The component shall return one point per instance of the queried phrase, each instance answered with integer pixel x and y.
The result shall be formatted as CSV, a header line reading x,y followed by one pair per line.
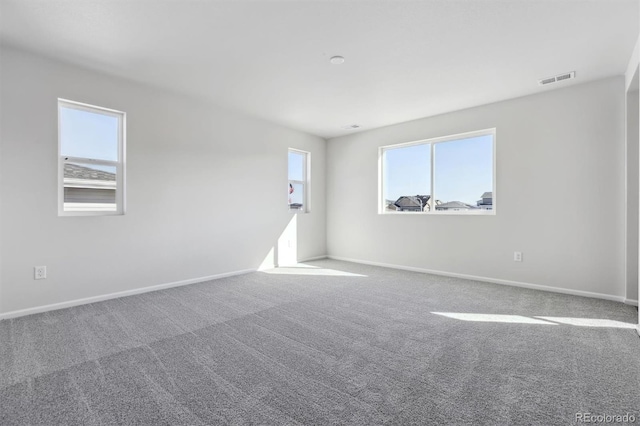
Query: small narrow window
x,y
298,189
91,159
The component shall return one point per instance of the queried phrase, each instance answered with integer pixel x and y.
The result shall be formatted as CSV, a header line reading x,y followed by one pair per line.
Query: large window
x,y
453,174
298,188
91,145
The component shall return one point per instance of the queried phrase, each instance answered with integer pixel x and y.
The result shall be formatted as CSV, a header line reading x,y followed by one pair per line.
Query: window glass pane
x,y
296,166
89,187
407,178
464,174
88,134
296,196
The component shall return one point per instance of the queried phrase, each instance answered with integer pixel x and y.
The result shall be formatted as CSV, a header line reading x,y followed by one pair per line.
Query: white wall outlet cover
x,y
39,272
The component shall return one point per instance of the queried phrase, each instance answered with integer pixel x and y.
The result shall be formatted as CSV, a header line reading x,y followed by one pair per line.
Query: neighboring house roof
x,y
74,171
487,199
76,176
412,201
454,205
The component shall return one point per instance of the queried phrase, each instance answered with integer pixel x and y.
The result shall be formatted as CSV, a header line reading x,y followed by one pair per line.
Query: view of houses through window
x,y
91,147
457,170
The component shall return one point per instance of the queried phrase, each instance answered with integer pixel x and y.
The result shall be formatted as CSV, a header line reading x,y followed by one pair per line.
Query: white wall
x,y
560,189
1,178
631,79
633,188
206,189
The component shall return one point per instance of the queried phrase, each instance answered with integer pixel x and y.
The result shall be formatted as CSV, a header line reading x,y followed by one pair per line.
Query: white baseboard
x,y
631,302
487,279
284,265
310,259
84,301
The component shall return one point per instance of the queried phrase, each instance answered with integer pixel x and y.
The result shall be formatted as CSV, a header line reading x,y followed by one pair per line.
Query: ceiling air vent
x,y
557,78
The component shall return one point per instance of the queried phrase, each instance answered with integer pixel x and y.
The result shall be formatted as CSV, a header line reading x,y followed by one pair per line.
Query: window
x,y
298,181
91,159
453,174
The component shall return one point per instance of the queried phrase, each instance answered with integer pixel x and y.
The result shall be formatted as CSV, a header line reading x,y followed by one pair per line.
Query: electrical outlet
x,y
517,256
39,272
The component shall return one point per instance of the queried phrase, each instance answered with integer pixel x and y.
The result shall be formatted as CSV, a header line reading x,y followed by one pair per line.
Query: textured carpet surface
x,y
331,343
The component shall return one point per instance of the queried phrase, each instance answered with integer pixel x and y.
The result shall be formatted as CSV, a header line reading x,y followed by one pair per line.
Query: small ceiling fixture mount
x,y
351,126
336,60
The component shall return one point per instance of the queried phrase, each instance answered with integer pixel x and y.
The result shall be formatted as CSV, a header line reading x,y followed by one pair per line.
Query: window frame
x,y
306,183
433,142
119,164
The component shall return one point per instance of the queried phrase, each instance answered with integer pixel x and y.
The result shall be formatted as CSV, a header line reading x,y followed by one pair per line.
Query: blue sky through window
x,y
407,171
296,166
464,169
88,135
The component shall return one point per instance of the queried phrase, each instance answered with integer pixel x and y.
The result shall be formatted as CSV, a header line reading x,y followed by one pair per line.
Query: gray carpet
x,y
315,346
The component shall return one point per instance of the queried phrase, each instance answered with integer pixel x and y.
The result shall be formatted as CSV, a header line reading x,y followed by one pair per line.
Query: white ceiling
x,y
404,59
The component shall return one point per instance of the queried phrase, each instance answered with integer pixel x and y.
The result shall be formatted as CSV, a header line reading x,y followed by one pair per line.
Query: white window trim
x,y
306,184
432,142
119,165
